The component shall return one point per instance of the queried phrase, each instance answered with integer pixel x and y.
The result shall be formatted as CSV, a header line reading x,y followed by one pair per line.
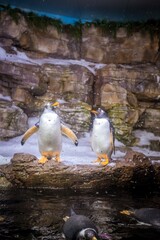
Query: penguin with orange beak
x,y
49,130
102,137
145,215
77,227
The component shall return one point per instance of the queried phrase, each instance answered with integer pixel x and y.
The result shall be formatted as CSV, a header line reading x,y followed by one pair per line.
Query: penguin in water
x,y
102,137
146,215
77,227
50,129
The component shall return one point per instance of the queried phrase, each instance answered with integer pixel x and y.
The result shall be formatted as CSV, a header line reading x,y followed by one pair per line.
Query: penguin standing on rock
x,y
50,129
102,137
77,227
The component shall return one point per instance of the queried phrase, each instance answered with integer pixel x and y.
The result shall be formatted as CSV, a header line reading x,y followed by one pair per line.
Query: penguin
x,y
102,137
147,215
77,227
49,130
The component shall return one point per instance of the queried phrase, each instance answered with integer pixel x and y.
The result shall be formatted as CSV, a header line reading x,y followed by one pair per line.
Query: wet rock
x,y
150,119
155,145
156,166
135,171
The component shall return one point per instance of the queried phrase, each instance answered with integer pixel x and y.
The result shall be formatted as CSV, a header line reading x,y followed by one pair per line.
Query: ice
x,y
21,57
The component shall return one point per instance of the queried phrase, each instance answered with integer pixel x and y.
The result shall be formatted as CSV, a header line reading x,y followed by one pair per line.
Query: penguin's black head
x,y
91,235
101,113
52,106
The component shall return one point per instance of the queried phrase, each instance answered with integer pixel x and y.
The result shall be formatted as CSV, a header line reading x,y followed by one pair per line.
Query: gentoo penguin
x,y
146,215
77,227
102,136
49,130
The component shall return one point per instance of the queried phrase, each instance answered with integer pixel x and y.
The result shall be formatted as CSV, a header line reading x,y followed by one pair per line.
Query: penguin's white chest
x,y
100,139
49,133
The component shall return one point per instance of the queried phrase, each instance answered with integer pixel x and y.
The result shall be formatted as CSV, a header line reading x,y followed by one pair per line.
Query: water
x,y
38,214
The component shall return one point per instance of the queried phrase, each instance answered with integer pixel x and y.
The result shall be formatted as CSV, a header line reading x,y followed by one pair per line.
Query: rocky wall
x,y
127,85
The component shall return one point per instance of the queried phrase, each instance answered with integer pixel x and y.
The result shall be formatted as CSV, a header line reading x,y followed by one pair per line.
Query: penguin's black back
x,y
75,224
148,215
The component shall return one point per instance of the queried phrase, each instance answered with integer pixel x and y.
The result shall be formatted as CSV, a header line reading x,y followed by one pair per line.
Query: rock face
x,y
135,171
124,89
13,121
98,46
123,75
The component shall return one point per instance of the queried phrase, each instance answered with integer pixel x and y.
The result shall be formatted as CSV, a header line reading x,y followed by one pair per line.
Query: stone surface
x,y
26,76
70,82
128,87
122,108
135,171
98,46
10,28
13,121
76,115
142,79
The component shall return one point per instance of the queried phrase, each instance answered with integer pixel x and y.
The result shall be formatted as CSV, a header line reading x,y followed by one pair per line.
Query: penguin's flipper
x,y
29,133
72,212
112,130
69,133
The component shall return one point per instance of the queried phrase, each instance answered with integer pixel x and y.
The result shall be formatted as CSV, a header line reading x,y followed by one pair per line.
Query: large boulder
x,y
27,76
13,121
136,171
150,119
70,82
51,41
11,28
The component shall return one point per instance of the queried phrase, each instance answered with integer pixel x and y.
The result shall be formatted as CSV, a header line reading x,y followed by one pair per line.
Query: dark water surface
x,y
38,214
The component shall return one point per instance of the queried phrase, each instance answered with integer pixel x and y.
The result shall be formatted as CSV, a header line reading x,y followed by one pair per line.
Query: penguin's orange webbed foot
x,y
43,160
97,160
104,160
57,158
104,163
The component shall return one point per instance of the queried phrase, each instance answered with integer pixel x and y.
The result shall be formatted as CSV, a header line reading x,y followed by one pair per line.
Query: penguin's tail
x,y
72,212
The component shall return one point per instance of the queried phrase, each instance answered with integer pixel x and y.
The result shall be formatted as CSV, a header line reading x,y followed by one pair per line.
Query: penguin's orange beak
x,y
126,212
94,238
94,111
56,104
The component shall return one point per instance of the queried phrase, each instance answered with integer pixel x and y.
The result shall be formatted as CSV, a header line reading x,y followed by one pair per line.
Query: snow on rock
x,y
7,98
70,155
21,57
82,154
